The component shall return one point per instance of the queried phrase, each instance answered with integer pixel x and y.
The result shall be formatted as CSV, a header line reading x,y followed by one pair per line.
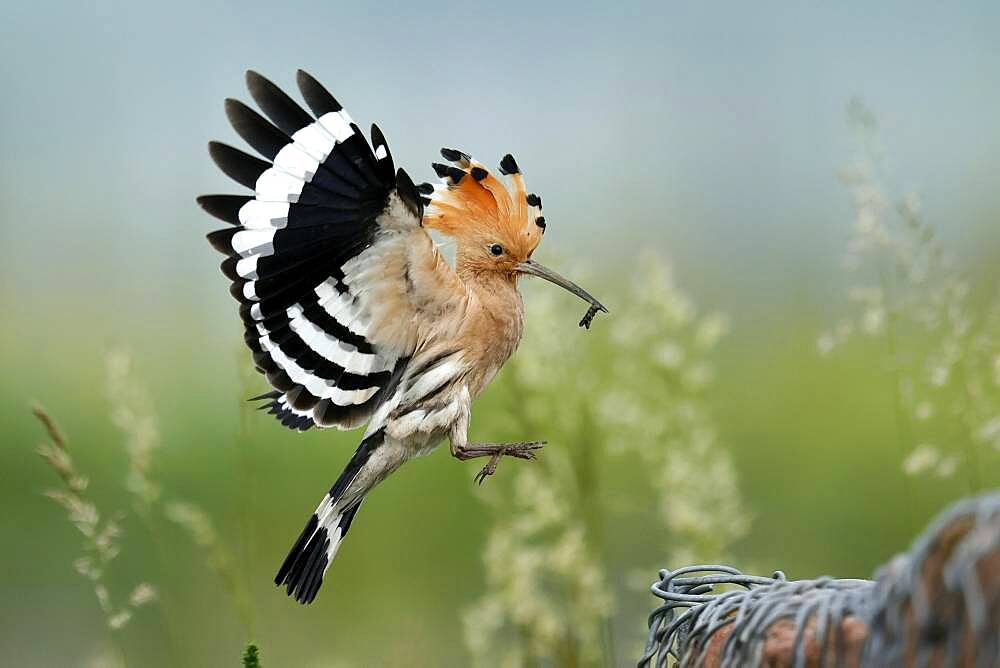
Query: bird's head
x,y
495,222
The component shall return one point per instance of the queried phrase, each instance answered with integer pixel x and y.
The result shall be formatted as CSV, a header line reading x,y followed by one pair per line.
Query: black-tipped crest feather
x,y
508,165
453,174
454,155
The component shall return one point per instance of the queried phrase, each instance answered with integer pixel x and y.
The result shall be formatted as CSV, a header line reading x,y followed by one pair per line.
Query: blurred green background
x,y
712,135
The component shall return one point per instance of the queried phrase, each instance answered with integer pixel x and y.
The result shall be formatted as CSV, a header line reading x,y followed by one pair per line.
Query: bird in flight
x,y
350,310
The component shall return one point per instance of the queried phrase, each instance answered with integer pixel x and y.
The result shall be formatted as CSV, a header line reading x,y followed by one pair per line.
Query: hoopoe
x,y
350,310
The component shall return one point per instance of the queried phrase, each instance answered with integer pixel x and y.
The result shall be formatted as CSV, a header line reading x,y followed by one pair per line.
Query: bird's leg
x,y
519,450
462,450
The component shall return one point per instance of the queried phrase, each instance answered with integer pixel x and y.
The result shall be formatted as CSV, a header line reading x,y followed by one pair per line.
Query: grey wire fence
x,y
937,604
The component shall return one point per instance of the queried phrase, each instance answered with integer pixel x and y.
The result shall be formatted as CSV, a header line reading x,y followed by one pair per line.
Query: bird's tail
x,y
303,569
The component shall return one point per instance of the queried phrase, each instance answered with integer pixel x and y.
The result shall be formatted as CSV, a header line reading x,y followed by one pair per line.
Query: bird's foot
x,y
495,451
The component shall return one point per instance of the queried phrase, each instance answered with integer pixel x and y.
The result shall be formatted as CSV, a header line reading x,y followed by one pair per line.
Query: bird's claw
x,y
524,450
489,469
517,450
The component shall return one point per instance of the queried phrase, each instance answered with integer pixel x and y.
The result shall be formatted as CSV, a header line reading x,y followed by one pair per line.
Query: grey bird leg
x,y
462,450
519,450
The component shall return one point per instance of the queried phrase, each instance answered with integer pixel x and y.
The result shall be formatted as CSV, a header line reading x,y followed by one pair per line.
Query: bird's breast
x,y
489,343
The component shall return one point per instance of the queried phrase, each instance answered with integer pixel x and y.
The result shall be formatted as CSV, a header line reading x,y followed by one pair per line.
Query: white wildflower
x,y
938,375
698,376
825,344
85,566
103,596
989,432
946,467
924,411
143,593
132,414
483,623
548,594
941,346
101,544
873,320
669,355
119,620
923,458
710,330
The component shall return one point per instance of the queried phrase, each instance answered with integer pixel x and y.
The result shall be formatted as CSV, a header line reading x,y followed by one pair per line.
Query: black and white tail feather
x,y
315,206
303,569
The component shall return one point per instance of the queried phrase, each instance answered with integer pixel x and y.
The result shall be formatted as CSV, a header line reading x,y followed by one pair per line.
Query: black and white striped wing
x,y
317,204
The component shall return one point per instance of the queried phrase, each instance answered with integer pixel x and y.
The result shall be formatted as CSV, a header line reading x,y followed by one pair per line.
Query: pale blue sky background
x,y
709,131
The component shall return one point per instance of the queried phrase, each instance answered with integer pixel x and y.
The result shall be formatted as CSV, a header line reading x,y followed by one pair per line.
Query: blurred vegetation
x,y
940,329
251,657
819,442
551,595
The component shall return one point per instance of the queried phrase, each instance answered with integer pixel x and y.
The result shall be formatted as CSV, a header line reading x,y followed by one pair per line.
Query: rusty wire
x,y
937,604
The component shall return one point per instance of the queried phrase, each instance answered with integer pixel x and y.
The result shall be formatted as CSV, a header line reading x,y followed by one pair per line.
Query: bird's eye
x,y
496,249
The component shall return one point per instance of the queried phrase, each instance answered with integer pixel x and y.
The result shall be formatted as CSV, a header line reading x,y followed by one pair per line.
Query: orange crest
x,y
479,209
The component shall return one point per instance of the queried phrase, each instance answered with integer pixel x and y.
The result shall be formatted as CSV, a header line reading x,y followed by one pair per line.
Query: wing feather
x,y
327,258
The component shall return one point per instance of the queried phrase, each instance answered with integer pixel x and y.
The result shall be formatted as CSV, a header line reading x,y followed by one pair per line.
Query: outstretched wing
x,y
327,258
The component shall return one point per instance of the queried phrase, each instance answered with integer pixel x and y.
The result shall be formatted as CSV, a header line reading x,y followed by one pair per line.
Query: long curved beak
x,y
541,271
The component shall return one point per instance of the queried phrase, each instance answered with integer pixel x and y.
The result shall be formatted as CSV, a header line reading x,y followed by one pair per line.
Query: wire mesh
x,y
936,604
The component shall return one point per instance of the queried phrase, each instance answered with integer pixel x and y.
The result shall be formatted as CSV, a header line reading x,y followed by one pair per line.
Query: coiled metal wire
x,y
936,604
